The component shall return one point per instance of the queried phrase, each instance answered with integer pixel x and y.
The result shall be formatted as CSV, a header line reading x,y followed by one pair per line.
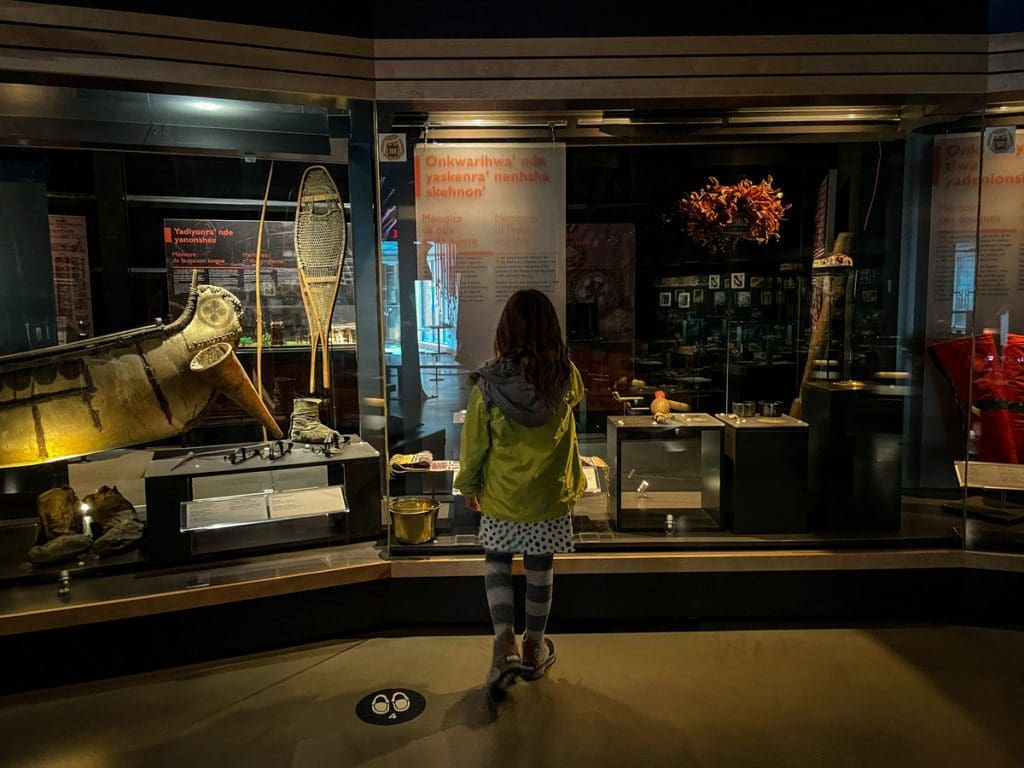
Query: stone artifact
x,y
306,426
60,549
319,253
113,391
59,512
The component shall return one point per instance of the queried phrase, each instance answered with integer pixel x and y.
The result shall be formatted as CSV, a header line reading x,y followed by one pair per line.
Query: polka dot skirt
x,y
545,537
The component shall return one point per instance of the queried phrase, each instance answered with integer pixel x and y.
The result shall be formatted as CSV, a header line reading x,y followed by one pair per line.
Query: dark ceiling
x,y
537,18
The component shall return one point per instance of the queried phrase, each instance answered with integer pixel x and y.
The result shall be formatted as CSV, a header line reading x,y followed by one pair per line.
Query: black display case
x,y
856,455
764,474
660,469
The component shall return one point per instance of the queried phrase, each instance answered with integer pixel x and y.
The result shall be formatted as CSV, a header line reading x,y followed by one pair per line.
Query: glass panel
x,y
819,314
993,475
120,401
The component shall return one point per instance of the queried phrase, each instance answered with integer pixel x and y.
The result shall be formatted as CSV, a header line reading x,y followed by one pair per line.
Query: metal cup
x,y
770,408
745,409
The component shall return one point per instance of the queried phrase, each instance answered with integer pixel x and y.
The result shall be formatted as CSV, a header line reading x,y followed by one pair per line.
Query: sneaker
x,y
502,674
537,659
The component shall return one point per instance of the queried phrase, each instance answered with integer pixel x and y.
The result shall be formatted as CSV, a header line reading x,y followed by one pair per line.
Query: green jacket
x,y
520,473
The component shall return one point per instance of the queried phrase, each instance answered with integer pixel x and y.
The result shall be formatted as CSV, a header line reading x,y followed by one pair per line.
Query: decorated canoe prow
x,y
127,388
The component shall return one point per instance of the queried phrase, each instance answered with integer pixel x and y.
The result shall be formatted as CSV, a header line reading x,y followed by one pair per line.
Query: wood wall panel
x,y
63,44
170,50
67,44
1006,66
69,17
720,45
915,87
753,67
126,70
678,66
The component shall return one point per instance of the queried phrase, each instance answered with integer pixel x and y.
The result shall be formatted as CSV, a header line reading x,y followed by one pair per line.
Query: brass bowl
x,y
413,520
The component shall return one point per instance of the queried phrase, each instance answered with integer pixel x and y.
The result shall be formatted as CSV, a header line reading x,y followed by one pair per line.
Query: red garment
x,y
1013,381
990,396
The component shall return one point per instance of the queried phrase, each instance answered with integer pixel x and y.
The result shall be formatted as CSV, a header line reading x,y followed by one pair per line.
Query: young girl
x,y
521,470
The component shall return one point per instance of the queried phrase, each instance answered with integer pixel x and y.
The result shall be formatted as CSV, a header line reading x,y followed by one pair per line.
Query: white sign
x,y
69,249
990,474
964,274
307,502
490,219
234,510
393,148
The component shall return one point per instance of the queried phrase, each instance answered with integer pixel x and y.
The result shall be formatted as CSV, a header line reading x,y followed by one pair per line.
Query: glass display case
x,y
666,476
852,293
812,299
974,325
196,377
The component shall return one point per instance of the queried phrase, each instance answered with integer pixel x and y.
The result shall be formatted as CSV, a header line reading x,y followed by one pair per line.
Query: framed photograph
x,y
665,299
766,298
743,299
683,299
756,281
789,282
719,298
714,282
698,296
738,280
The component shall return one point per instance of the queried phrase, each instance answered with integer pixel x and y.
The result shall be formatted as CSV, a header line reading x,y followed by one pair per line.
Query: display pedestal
x,y
764,474
234,520
856,455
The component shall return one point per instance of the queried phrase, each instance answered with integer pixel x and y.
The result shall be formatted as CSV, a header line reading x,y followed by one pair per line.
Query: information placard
x,y
491,220
971,268
308,502
990,474
233,510
224,252
69,249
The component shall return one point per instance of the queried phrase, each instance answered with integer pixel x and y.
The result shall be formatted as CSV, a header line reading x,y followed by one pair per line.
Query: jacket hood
x,y
503,384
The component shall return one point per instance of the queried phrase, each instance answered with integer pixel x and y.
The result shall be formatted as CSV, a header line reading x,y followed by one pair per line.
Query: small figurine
x,y
660,405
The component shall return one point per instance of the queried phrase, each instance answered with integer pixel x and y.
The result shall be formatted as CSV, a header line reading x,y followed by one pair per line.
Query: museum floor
x,y
724,696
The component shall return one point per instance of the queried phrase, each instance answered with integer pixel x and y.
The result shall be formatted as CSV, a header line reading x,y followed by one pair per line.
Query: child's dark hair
x,y
529,334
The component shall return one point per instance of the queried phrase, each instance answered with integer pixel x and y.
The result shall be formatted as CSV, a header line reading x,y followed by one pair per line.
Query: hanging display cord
x,y
259,293
874,190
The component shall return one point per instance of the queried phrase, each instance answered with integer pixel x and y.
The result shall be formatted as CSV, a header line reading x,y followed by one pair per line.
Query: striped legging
x,y
498,582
